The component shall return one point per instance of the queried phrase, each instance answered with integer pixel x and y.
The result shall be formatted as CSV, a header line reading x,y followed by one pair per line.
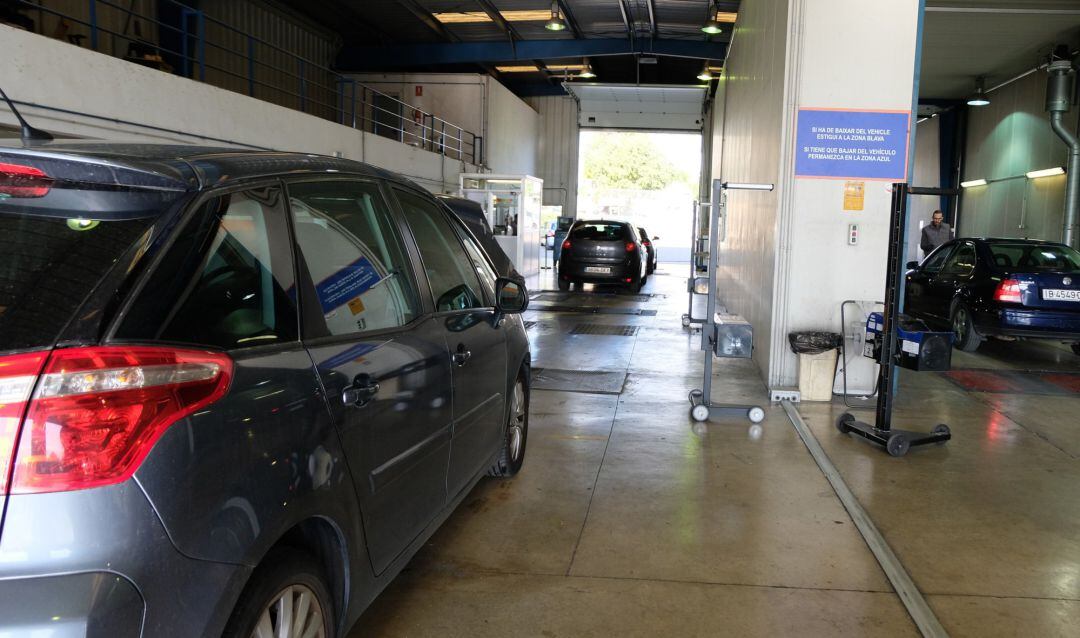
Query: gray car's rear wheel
x,y
512,455
287,596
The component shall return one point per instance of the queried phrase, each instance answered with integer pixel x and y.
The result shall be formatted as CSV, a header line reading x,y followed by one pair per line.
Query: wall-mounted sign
x,y
852,144
854,195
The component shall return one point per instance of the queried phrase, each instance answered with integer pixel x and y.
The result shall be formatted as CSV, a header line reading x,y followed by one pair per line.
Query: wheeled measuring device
x,y
722,335
896,442
698,249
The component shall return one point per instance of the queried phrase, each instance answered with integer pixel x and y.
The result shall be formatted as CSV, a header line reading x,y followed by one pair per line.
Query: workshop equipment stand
x,y
715,329
896,441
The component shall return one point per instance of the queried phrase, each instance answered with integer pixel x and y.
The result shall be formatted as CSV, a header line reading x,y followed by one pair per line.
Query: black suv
x,y
238,390
603,252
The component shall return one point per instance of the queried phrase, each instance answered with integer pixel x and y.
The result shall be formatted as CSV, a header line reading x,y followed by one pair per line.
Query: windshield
x,y
56,244
1035,257
598,231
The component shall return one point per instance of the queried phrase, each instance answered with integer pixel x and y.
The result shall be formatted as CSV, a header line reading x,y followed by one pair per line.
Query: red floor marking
x,y
1070,382
982,381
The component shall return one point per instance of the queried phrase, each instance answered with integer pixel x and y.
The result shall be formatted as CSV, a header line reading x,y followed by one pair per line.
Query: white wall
x,y
927,173
1005,140
871,66
558,150
752,104
458,98
159,107
786,265
512,132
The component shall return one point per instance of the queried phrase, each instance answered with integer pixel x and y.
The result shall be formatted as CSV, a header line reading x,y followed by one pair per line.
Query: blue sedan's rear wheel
x,y
967,337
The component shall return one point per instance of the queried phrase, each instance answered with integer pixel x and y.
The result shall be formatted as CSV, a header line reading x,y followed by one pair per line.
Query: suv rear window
x,y
1035,257
599,231
56,244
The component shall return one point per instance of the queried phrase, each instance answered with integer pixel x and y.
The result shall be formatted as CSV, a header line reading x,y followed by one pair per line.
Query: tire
x,y
756,414
699,413
1076,349
967,337
290,573
564,285
512,454
843,423
897,445
635,287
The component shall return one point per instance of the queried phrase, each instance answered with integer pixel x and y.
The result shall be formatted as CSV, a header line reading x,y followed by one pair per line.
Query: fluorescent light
x,y
1046,172
473,17
529,68
973,183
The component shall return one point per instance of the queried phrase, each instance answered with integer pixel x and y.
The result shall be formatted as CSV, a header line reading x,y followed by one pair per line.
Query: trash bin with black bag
x,y
817,362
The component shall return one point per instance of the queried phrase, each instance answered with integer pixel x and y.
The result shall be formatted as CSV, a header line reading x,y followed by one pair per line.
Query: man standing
x,y
936,234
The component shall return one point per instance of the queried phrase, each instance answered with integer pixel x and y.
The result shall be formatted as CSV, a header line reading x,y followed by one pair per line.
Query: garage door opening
x,y
647,178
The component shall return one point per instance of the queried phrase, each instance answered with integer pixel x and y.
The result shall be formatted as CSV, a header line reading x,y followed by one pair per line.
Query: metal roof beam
x,y
626,19
570,20
429,20
652,16
355,58
498,19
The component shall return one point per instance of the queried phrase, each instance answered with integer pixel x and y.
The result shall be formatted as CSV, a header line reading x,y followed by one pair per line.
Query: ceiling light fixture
x,y
705,75
979,98
712,26
556,22
973,183
1046,172
587,72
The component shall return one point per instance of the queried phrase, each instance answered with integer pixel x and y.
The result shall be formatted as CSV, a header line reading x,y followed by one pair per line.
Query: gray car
x,y
238,390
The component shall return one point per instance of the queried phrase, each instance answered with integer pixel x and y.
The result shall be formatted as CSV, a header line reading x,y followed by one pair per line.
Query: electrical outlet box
x,y
852,234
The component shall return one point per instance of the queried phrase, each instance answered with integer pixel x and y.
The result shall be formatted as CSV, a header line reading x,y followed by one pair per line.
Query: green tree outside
x,y
616,160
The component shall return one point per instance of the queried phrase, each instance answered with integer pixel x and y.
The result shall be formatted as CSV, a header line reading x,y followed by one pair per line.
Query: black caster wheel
x,y
843,423
941,428
897,445
694,396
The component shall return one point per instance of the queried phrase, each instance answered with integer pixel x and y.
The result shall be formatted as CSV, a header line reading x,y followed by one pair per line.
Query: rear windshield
x,y
56,245
599,231
1035,257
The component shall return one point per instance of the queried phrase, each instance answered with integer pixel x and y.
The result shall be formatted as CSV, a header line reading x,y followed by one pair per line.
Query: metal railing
x,y
190,43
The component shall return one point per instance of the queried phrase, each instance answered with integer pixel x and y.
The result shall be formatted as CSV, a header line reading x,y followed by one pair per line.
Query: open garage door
x,y
629,106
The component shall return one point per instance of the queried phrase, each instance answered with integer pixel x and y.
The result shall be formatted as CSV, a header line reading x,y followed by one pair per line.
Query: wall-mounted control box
x,y
852,234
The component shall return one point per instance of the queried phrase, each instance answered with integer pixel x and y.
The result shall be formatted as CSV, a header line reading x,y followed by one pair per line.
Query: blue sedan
x,y
1011,288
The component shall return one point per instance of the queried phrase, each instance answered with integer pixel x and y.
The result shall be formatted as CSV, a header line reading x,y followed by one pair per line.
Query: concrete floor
x,y
629,518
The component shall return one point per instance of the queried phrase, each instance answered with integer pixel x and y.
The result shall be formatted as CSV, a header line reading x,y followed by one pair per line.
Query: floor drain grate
x,y
587,381
604,329
529,324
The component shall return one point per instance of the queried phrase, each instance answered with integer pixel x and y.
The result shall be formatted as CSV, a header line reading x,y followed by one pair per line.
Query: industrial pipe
x,y
1059,92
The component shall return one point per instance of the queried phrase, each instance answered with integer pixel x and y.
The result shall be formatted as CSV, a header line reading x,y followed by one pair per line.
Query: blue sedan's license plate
x,y
1061,295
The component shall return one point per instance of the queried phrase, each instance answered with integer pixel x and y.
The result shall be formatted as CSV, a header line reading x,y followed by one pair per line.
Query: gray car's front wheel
x,y
286,597
512,455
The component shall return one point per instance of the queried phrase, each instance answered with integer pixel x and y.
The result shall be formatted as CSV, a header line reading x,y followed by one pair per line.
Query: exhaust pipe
x,y
1059,92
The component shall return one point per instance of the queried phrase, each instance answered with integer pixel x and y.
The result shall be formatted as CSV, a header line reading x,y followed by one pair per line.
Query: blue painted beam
x,y
355,58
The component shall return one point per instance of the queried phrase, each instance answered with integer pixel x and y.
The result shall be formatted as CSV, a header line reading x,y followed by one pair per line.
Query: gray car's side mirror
x,y
510,296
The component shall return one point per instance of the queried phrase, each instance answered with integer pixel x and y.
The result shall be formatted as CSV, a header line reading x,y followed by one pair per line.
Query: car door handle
x,y
462,355
363,389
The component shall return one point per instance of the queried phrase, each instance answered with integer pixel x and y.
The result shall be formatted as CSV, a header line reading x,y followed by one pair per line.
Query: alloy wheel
x,y
517,421
294,613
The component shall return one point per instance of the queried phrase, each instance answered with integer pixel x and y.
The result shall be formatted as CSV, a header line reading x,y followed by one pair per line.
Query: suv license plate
x,y
1061,295
602,270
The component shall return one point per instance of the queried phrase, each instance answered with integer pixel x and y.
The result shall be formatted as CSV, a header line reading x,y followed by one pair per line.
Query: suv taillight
x,y
566,245
17,180
630,246
18,373
1008,290
96,412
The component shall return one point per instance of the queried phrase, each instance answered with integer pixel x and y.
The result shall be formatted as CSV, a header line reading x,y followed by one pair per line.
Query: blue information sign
x,y
346,284
838,144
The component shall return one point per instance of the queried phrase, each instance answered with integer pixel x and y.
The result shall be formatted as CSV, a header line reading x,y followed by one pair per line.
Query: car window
x,y
1035,257
962,261
451,273
598,231
936,260
227,281
354,256
480,263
